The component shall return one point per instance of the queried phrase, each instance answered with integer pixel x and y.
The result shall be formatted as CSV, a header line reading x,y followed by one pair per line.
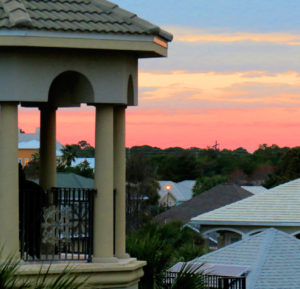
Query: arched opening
x,y
224,236
70,88
130,91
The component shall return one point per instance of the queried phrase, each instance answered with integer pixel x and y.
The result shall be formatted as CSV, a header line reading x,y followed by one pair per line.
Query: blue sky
x,y
233,15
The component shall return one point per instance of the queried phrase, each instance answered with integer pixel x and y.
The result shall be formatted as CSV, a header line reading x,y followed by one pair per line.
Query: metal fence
x,y
59,231
212,281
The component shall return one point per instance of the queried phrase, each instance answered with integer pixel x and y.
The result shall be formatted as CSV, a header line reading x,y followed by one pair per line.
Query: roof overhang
x,y
143,46
246,223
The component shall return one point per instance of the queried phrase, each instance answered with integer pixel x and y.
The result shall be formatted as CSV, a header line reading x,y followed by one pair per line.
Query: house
x,y
29,144
173,194
277,207
269,260
216,197
63,54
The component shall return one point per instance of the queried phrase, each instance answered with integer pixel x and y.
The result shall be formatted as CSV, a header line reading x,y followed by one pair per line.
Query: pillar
x,y
9,189
120,181
48,147
103,182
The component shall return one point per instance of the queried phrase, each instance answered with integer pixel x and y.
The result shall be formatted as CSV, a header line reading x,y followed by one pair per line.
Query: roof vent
x,y
16,12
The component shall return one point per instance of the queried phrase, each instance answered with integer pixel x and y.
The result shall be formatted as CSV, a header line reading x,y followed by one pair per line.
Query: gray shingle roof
x,y
89,16
273,258
277,206
214,198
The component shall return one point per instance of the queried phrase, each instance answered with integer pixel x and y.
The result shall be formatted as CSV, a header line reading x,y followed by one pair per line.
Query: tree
x,y
32,170
205,183
142,189
162,246
69,155
288,168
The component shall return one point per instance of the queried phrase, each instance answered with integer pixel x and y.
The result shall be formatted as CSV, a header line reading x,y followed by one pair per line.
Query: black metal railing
x,y
212,281
64,230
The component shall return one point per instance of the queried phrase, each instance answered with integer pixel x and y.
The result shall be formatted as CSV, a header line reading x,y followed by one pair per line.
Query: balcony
x,y
59,228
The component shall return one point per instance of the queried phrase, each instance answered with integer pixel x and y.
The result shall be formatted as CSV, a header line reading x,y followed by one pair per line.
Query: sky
x,y
232,76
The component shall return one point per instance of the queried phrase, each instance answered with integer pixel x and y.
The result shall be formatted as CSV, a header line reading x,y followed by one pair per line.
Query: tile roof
x,y
89,16
273,258
214,198
255,189
279,205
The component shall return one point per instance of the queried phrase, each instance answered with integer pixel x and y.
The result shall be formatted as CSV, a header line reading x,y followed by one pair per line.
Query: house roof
x,y
71,180
89,17
32,141
182,191
98,16
272,256
216,197
255,189
278,206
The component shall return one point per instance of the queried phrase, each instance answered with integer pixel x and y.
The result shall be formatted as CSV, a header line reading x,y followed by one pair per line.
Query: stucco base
x,y
125,274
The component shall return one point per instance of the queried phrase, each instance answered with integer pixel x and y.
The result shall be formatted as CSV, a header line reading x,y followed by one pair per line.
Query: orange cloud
x,y
188,34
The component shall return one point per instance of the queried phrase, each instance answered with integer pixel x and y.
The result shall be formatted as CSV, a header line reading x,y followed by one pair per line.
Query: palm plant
x,y
190,276
161,246
9,279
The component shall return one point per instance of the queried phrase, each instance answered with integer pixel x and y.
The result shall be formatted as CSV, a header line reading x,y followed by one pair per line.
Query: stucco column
x,y
48,147
103,182
9,189
120,181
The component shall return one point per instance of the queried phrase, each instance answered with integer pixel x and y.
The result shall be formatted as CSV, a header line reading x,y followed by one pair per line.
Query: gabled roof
x,y
272,256
278,206
180,191
98,16
216,197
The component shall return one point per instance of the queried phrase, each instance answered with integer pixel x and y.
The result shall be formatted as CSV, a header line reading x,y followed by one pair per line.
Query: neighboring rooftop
x,y
71,180
272,256
277,206
181,191
32,141
255,189
216,197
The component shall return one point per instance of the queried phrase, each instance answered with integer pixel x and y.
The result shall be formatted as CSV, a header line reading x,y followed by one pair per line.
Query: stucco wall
x,y
27,74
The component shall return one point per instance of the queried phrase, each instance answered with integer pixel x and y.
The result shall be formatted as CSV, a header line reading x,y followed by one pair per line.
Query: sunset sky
x,y
232,75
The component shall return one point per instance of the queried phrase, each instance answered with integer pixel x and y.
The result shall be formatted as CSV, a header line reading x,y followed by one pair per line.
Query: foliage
x,y
68,155
205,183
288,169
9,278
82,169
177,166
141,190
161,246
189,277
32,170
